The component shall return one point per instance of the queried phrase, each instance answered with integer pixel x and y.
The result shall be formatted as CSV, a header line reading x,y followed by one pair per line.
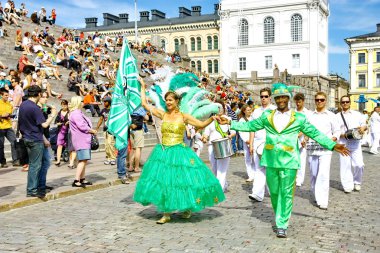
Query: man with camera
x,y
352,125
6,130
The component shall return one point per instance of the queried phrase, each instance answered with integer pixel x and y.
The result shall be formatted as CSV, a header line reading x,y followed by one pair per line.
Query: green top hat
x,y
281,89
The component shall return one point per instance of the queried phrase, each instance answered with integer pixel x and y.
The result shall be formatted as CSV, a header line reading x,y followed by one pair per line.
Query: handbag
x,y
21,151
94,139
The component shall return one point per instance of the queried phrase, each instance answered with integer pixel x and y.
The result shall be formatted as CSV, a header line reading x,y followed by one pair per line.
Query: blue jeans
x,y
120,161
35,153
234,144
145,127
44,169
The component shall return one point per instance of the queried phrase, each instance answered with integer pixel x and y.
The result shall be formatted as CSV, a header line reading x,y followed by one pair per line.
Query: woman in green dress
x,y
174,178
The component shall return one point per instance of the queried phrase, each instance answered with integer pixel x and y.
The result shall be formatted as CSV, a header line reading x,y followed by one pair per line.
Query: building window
x,y
192,42
209,66
242,63
269,30
216,42
216,66
182,41
243,32
193,65
268,62
296,27
377,56
296,61
199,43
361,58
209,43
377,80
163,45
176,45
199,66
362,83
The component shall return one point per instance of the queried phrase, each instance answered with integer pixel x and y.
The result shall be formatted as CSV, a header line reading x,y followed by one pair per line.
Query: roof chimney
x,y
378,27
216,8
123,17
184,12
144,15
196,10
156,15
91,22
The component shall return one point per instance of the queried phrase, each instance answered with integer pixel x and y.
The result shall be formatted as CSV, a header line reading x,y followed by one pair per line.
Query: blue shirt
x,y
30,121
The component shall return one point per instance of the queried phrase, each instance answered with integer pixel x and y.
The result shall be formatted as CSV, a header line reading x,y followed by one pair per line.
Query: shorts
x,y
137,139
83,154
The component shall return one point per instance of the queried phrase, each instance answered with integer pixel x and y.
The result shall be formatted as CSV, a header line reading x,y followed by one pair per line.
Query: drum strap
x,y
219,130
344,120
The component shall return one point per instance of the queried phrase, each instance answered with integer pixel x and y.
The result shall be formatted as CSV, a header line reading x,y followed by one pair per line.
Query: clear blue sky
x,y
347,18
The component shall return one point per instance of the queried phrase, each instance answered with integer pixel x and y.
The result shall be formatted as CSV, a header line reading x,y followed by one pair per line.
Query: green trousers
x,y
281,184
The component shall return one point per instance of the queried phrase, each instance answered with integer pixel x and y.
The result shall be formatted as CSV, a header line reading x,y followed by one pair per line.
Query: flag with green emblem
x,y
125,98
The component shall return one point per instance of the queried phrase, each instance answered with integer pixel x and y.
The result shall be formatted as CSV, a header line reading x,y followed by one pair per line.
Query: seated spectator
x,y
23,11
53,16
40,63
44,84
34,18
10,17
43,16
27,43
24,64
4,83
144,67
90,103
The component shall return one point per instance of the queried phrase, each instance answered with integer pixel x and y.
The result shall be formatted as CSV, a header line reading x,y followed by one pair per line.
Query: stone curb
x,y
63,194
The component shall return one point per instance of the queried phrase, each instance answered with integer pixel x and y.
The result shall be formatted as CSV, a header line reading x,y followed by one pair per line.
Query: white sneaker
x,y
357,187
374,152
347,191
106,162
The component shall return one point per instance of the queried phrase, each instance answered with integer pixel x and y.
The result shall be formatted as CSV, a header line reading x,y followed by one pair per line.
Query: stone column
x,y
370,69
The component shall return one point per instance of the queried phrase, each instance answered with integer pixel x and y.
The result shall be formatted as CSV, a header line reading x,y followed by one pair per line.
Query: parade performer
x,y
349,119
281,151
174,178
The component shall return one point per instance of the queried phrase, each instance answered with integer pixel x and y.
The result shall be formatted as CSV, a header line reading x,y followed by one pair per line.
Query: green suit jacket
x,y
281,149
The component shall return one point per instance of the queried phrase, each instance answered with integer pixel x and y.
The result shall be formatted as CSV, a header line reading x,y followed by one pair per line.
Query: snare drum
x,y
222,148
353,134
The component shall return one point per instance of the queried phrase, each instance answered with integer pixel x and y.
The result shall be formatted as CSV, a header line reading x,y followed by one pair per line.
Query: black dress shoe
x,y
281,233
49,188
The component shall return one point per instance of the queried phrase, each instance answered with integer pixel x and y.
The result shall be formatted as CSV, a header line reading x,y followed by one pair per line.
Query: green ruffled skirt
x,y
176,179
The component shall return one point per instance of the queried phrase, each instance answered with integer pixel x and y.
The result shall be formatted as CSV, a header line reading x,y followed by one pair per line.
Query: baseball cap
x,y
107,99
3,74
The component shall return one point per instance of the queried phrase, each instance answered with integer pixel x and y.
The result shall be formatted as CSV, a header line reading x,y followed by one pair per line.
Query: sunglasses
x,y
320,100
264,96
344,102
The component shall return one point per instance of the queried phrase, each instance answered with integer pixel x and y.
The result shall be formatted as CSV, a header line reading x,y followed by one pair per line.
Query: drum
x,y
222,148
353,134
260,149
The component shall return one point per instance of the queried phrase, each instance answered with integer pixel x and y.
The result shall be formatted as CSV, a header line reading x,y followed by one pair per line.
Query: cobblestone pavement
x,y
109,221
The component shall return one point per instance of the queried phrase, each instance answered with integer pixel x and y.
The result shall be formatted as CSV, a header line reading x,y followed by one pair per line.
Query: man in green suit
x,y
281,151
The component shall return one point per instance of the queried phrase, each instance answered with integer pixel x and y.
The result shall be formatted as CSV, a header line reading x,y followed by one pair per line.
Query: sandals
x,y
186,215
85,182
164,219
77,183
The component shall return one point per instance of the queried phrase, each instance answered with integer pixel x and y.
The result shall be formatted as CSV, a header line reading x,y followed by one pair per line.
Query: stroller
x,y
53,142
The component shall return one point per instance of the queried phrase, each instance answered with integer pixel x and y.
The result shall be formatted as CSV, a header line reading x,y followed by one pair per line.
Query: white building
x,y
257,34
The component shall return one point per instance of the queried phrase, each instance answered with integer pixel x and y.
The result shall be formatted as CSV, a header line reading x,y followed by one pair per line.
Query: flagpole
x,y
135,21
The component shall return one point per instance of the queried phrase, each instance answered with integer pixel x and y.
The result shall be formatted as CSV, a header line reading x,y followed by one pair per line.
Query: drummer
x,y
213,132
352,120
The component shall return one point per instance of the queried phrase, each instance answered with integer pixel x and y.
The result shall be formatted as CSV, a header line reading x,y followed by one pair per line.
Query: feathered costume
x,y
174,178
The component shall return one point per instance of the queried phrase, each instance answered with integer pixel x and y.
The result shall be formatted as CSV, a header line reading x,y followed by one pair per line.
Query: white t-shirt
x,y
375,122
211,132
